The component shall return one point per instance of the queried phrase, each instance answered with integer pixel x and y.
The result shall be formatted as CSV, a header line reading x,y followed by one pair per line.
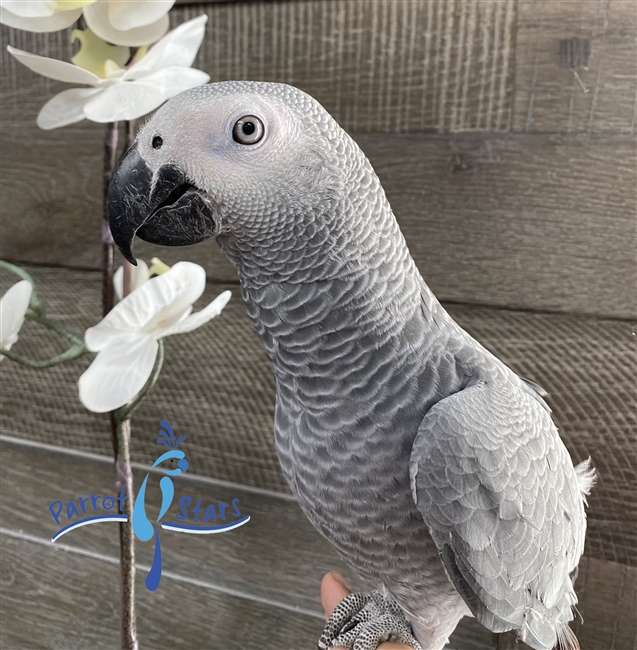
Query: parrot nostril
x,y
157,142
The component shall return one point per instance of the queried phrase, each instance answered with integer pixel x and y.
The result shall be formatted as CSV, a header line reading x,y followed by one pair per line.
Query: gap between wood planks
x,y
207,480
170,575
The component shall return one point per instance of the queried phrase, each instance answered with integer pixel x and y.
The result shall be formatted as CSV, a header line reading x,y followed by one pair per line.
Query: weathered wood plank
x,y
217,384
411,66
56,599
207,2
524,221
376,65
217,381
245,561
562,250
529,222
576,66
248,559
72,590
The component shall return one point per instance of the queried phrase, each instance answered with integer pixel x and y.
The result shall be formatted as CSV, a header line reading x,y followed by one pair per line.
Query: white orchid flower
x,y
122,22
126,340
13,307
128,22
119,93
41,15
139,274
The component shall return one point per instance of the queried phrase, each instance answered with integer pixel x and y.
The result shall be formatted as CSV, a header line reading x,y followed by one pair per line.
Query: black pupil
x,y
157,142
249,128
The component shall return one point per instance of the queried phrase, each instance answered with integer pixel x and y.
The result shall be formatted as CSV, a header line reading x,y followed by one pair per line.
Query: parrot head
x,y
172,463
240,160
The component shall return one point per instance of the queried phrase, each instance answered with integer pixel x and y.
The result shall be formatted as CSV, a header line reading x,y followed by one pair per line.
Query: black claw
x,y
350,626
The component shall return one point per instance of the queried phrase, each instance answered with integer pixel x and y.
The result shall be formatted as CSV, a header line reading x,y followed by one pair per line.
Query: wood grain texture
x,y
376,65
214,590
545,223
290,579
523,221
230,576
529,222
211,2
52,599
217,387
590,94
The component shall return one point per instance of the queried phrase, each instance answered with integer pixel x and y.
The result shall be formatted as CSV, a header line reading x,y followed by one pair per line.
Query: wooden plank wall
x,y
503,132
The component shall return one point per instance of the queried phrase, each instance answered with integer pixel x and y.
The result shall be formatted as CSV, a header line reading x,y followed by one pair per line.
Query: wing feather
x,y
504,505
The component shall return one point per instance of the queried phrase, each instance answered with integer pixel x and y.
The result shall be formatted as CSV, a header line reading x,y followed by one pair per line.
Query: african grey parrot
x,y
432,468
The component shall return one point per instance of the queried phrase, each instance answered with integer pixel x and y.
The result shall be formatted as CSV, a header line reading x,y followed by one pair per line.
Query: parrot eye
x,y
248,130
157,142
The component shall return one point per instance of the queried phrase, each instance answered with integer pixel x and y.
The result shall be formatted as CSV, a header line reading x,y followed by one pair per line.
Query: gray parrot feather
x,y
432,468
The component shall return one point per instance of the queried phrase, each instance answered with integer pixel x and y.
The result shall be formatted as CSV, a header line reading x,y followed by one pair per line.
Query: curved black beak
x,y
160,208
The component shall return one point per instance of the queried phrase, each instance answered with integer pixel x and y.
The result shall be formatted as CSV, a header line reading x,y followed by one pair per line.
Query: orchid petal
x,y
178,48
97,19
131,100
65,108
139,275
172,81
59,20
129,14
201,317
65,5
53,68
160,300
118,373
13,307
28,8
124,101
165,323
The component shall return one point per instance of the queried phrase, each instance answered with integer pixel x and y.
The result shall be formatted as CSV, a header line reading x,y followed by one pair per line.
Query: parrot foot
x,y
365,620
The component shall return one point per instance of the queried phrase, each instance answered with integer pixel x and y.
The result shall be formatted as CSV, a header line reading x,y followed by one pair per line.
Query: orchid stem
x,y
111,135
56,327
128,617
121,418
37,313
35,304
120,427
72,353
131,132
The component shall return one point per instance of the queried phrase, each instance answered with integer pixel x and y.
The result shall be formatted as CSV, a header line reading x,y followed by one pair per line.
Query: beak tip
x,y
127,254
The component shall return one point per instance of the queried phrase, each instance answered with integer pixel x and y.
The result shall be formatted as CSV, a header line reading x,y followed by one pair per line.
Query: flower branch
x,y
72,353
126,67
34,303
21,303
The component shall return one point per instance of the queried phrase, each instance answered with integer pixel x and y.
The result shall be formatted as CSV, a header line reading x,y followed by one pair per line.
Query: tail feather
x,y
537,631
542,634
566,639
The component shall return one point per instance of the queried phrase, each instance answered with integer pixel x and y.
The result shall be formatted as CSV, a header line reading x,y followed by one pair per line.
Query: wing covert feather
x,y
500,496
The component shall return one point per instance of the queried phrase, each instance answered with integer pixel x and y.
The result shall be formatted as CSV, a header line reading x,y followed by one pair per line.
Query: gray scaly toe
x,y
363,621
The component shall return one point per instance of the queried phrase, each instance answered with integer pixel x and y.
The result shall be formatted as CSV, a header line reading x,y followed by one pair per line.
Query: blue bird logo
x,y
144,529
